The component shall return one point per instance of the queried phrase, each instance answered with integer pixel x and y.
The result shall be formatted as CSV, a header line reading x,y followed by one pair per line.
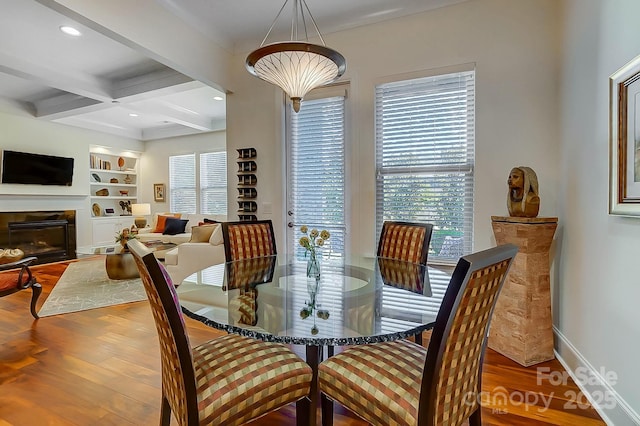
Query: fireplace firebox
x,y
48,235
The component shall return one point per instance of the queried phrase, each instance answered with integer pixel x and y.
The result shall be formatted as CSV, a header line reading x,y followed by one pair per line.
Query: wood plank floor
x,y
102,367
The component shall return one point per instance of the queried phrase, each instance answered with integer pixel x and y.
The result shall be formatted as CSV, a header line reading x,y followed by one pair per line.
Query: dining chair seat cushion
x,y
9,280
367,377
240,379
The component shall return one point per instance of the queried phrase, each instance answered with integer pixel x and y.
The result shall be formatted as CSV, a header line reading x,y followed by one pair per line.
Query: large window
x,y
315,170
425,133
208,194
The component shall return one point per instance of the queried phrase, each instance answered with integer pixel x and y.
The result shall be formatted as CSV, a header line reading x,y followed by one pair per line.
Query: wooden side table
x,y
521,326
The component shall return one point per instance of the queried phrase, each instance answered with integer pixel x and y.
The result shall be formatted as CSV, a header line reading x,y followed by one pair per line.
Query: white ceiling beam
x,y
169,112
151,84
87,86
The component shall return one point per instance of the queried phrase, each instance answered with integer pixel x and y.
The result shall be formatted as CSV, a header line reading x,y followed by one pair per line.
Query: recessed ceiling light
x,y
217,98
70,30
133,115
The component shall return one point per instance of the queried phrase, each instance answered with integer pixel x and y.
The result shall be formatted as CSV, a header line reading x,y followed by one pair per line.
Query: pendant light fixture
x,y
296,66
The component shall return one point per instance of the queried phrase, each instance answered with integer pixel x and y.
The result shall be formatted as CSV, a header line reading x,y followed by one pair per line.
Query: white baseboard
x,y
608,403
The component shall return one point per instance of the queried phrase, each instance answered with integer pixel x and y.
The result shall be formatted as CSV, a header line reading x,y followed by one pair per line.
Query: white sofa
x,y
188,257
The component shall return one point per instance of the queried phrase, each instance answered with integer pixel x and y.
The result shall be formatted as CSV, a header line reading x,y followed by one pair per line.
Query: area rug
x,y
85,285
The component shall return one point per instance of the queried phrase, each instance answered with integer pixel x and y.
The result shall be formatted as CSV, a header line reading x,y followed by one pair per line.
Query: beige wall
x,y
154,164
42,137
514,46
596,305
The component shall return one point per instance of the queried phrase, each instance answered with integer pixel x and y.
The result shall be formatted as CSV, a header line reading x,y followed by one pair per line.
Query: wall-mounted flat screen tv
x,y
36,169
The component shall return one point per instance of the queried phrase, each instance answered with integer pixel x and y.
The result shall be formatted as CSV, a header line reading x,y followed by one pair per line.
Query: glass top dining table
x,y
356,301
363,300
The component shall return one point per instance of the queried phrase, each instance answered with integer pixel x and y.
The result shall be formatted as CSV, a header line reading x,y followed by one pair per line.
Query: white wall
x,y
154,164
42,137
596,303
514,45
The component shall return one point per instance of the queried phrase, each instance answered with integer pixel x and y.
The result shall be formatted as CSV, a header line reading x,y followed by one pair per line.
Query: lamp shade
x,y
297,67
143,209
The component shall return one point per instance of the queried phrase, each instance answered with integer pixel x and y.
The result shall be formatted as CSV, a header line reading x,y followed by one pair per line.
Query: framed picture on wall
x,y
158,192
624,140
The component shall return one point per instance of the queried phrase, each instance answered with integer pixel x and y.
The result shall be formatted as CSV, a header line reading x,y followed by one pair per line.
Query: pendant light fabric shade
x,y
296,66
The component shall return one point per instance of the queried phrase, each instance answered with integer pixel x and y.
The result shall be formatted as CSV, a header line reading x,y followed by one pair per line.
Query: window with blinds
x,y
209,194
213,183
316,174
425,137
182,183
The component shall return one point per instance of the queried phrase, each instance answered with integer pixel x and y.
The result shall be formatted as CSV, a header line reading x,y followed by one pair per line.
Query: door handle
x,y
290,213
290,224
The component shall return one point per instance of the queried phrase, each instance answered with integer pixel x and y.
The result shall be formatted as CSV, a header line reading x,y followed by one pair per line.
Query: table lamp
x,y
140,210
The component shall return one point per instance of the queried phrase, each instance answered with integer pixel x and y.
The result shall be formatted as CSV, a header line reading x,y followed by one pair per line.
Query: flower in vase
x,y
314,239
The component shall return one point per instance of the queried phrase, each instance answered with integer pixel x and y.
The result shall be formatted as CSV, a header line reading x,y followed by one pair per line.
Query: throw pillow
x,y
174,226
161,222
201,234
217,238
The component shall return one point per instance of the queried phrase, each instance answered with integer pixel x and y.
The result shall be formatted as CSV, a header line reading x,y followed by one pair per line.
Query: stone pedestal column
x,y
521,326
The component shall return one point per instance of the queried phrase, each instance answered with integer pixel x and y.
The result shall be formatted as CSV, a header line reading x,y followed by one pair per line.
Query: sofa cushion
x,y
174,226
202,233
161,221
217,238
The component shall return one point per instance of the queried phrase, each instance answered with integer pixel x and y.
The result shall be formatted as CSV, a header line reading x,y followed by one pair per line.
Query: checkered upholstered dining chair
x,y
19,277
246,240
407,241
229,380
403,383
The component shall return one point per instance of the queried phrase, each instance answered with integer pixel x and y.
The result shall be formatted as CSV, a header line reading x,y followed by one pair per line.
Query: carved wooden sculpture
x,y
523,199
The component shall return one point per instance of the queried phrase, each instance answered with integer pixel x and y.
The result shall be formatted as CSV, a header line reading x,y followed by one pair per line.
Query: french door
x,y
316,171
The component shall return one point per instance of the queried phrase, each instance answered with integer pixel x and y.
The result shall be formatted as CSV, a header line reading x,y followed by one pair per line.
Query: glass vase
x,y
313,267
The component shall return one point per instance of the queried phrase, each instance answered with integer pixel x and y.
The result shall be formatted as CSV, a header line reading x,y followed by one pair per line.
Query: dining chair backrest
x,y
246,240
408,241
178,376
451,388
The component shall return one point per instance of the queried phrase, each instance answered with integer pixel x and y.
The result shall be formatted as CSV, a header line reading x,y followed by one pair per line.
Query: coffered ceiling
x,y
95,82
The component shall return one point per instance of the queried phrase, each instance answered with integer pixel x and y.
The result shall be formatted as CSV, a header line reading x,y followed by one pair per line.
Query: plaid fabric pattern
x,y
245,273
173,385
240,379
237,379
402,242
401,274
250,240
457,388
380,382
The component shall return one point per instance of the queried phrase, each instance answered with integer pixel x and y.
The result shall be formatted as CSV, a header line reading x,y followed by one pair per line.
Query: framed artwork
x,y
624,140
158,192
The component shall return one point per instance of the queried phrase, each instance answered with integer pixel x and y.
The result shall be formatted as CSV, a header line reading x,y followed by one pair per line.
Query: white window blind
x,y
213,183
316,172
182,183
425,137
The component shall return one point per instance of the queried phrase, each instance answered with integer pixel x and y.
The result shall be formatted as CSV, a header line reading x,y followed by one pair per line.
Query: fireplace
x,y
48,235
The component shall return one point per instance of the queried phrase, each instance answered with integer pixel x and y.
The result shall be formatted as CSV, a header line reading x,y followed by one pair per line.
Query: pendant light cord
x,y
294,22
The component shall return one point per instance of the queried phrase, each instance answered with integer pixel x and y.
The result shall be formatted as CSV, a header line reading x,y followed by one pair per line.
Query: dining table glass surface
x,y
358,301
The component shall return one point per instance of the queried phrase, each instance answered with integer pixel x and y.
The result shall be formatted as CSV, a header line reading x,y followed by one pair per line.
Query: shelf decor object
x,y
521,325
296,66
247,180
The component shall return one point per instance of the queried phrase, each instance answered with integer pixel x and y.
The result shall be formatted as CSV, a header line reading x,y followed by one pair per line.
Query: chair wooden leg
x,y
165,412
36,290
302,412
476,419
327,410
418,338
